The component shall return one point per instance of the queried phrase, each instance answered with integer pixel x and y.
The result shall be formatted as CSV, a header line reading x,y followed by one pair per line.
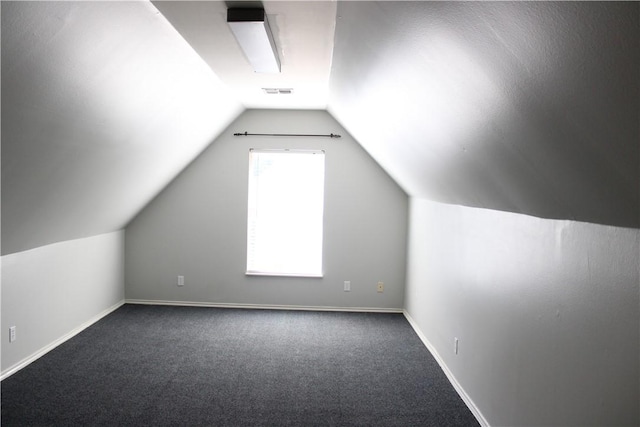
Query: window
x,y
286,201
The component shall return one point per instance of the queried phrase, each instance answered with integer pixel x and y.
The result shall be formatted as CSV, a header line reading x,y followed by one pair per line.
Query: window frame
x,y
273,272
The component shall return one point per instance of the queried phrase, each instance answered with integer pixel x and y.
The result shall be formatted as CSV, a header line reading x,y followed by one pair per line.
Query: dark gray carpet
x,y
186,366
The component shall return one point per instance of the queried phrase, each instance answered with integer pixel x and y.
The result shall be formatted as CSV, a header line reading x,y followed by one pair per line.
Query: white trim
x,y
44,350
264,306
262,273
452,379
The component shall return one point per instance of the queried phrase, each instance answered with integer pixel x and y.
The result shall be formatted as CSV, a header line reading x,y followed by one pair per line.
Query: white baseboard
x,y
264,306
44,350
452,379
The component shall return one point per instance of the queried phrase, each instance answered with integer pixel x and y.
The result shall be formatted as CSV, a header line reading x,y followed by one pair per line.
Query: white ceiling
x,y
529,107
303,31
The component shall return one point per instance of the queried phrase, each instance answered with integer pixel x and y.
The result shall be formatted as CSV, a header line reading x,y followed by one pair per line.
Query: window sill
x,y
260,273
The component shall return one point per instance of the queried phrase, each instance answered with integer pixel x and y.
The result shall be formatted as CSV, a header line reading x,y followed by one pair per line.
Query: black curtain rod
x,y
331,135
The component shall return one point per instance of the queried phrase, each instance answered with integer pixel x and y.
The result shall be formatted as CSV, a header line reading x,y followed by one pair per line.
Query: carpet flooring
x,y
187,366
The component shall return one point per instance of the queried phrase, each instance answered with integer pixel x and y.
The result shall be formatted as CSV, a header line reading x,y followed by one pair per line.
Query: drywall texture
x,y
198,226
528,107
52,290
103,104
546,312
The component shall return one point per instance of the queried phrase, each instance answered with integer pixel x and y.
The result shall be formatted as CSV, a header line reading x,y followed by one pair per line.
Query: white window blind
x,y
286,202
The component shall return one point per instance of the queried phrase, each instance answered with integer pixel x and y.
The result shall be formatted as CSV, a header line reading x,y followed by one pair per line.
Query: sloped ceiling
x,y
524,107
103,103
528,107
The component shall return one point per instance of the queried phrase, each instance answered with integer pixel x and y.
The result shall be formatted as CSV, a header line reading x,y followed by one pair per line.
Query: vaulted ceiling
x,y
531,108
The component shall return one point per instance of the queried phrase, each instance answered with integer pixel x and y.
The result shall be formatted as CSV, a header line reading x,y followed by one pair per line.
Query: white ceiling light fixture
x,y
252,31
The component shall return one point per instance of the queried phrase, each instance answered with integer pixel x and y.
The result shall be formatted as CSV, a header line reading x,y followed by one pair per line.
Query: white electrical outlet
x,y
12,334
180,280
455,345
380,287
347,286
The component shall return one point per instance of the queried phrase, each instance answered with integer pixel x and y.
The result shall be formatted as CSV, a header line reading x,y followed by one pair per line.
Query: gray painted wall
x,y
51,291
197,226
546,312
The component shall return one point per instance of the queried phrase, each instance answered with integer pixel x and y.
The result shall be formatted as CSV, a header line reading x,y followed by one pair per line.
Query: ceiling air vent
x,y
277,90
